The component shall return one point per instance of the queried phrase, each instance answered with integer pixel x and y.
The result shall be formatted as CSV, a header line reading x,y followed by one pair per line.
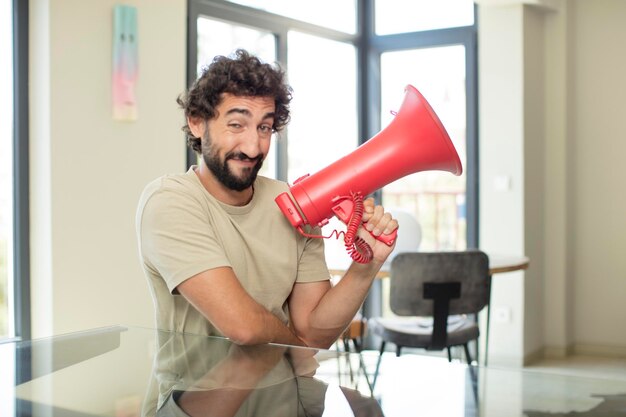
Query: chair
x,y
440,289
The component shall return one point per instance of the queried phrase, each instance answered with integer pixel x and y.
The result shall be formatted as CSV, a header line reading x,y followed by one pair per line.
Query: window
x,y
321,63
436,199
217,37
343,16
324,112
7,379
402,16
348,70
440,61
14,206
6,171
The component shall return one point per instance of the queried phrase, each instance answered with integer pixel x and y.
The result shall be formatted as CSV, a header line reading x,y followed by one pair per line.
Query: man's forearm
x,y
339,305
219,296
279,332
261,326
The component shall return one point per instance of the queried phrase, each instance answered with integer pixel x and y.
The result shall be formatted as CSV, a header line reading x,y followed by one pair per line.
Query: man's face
x,y
236,141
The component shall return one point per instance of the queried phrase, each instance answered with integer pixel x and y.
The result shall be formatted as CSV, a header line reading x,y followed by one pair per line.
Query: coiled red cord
x,y
357,248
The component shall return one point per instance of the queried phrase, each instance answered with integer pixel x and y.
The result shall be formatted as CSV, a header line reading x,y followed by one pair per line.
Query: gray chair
x,y
432,294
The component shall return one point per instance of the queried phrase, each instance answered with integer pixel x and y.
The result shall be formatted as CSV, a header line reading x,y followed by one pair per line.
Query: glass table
x,y
126,371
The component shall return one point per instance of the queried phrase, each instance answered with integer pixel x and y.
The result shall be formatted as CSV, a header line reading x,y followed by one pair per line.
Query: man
x,y
219,255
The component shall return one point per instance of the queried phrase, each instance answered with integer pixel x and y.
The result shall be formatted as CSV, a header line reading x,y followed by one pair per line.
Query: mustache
x,y
240,156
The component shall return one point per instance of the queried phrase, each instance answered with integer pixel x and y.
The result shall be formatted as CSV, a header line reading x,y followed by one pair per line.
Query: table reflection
x,y
129,372
199,376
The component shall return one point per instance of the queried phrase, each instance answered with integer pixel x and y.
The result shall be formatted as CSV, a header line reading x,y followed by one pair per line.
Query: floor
x,y
590,366
547,388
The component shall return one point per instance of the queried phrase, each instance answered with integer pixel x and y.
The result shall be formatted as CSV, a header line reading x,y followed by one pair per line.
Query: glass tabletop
x,y
127,371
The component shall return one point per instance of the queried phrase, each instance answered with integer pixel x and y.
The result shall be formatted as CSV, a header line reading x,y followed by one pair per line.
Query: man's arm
x,y
319,313
225,387
219,296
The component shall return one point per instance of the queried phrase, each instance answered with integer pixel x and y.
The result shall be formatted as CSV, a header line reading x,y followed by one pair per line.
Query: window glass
x,y
334,14
435,198
324,123
216,37
6,170
7,379
401,16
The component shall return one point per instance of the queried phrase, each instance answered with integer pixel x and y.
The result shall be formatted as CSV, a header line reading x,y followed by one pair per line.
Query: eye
x,y
265,129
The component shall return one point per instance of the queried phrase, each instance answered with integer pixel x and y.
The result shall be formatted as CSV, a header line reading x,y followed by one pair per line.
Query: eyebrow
x,y
247,113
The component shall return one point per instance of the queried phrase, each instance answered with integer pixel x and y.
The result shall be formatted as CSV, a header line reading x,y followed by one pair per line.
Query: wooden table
x,y
507,263
497,264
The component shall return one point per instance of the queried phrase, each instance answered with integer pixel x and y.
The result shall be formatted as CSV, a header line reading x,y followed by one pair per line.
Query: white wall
x,y
551,119
597,176
557,289
534,176
501,147
87,170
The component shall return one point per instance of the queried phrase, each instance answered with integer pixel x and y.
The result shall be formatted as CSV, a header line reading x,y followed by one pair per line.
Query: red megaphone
x,y
414,141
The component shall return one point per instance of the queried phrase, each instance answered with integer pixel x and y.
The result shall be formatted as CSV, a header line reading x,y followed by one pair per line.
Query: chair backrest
x,y
409,272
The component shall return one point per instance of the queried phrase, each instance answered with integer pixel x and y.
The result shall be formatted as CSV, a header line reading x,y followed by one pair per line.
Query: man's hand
x,y
319,313
377,221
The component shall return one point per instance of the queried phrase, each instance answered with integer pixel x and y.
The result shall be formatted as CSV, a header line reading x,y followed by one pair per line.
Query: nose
x,y
251,144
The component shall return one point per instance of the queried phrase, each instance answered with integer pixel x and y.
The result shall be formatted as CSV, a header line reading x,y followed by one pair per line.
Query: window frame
x,y
466,36
257,19
21,189
369,48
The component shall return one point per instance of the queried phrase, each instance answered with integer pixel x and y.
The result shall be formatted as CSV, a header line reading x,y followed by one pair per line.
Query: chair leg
x,y
359,351
472,372
398,350
380,357
468,357
338,352
340,343
346,348
449,355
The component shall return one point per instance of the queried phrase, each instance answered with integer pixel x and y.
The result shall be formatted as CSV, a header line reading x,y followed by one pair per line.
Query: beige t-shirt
x,y
183,230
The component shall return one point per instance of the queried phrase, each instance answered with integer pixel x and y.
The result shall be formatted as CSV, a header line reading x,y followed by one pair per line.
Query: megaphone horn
x,y
414,141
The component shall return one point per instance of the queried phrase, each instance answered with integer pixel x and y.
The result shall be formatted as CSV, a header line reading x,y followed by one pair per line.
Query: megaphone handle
x,y
344,209
388,239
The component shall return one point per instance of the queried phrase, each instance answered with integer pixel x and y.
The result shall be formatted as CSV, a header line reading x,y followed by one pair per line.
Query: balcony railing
x,y
441,215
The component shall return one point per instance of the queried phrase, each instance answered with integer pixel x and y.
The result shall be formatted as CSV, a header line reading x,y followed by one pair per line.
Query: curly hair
x,y
240,75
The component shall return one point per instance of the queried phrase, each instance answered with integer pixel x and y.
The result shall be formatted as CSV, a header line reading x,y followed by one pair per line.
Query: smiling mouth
x,y
243,158
246,162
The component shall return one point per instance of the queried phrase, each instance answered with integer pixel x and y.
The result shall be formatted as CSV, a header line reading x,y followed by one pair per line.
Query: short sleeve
x,y
312,266
177,239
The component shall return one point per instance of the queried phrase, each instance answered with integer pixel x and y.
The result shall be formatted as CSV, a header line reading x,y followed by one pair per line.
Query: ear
x,y
196,125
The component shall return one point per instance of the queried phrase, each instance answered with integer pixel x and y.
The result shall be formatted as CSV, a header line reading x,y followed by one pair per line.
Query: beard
x,y
222,171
